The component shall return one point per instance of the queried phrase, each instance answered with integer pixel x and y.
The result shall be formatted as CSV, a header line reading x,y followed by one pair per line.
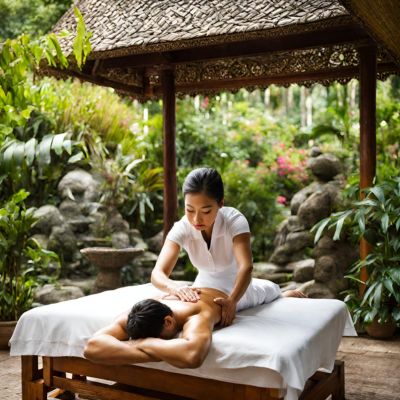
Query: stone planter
x,y
6,331
381,331
109,262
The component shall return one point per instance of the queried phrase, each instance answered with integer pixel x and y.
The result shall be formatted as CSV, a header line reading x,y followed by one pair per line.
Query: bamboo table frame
x,y
139,383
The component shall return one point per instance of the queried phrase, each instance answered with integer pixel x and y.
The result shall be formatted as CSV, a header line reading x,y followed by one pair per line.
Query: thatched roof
x,y
131,27
219,44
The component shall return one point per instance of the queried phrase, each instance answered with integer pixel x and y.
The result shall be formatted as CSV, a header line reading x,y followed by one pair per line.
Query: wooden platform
x,y
372,370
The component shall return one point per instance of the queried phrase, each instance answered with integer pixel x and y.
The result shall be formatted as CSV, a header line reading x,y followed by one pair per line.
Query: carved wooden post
x,y
367,132
170,190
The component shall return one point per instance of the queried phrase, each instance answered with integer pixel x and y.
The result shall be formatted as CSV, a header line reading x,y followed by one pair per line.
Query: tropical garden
x,y
259,141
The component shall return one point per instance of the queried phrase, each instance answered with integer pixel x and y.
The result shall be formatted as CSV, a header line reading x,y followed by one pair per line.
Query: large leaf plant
x,y
23,262
376,218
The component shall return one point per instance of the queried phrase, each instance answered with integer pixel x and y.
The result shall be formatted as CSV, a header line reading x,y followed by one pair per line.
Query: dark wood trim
x,y
322,37
95,79
169,134
149,92
265,81
368,78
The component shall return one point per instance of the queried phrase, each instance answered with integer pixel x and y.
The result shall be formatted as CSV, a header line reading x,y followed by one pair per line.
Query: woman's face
x,y
201,210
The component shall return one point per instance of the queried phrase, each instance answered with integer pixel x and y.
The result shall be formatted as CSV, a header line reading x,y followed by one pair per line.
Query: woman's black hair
x,y
204,180
146,319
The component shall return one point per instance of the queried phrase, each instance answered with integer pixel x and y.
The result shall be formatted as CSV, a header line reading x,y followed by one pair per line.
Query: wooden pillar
x,y
170,190
367,132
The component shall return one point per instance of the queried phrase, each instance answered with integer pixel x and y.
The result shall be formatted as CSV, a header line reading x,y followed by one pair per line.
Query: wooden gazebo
x,y
153,48
156,48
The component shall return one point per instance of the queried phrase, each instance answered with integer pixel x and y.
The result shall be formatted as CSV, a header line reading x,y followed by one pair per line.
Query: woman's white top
x,y
217,265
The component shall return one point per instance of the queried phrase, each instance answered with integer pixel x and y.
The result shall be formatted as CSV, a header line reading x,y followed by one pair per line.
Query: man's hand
x,y
186,293
228,310
294,293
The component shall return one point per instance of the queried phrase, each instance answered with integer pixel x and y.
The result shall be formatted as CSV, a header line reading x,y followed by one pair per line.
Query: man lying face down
x,y
165,329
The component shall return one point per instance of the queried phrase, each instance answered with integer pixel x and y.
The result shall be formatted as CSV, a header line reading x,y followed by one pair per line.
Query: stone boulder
x,y
317,207
116,223
155,242
315,151
49,294
70,208
281,233
280,255
78,185
284,254
48,216
303,270
261,269
120,240
63,242
325,166
138,242
278,277
301,196
146,260
316,290
294,225
325,268
344,253
299,240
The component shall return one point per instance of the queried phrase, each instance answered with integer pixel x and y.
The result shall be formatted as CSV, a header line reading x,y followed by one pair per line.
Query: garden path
x,y
371,370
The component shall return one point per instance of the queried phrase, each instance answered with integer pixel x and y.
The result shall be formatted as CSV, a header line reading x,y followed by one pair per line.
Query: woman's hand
x,y
228,310
186,293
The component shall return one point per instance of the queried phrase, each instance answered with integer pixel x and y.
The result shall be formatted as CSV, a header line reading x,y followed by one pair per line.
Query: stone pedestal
x,y
109,262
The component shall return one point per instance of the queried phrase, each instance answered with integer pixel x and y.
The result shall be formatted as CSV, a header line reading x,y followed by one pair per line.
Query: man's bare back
x,y
195,321
205,305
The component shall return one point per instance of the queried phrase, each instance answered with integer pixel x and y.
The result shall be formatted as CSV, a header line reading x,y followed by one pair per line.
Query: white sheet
x,y
293,337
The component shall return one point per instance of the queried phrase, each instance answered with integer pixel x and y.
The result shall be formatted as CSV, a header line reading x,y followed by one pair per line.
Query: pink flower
x,y
280,160
281,200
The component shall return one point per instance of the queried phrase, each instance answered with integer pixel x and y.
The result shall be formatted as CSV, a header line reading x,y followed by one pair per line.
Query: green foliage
x,y
377,219
33,17
36,164
81,45
23,263
33,154
129,185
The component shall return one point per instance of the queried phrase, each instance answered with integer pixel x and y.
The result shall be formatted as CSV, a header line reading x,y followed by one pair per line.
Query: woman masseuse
x,y
217,240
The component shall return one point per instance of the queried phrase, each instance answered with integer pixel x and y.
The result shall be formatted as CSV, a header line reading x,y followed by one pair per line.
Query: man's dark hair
x,y
204,180
146,319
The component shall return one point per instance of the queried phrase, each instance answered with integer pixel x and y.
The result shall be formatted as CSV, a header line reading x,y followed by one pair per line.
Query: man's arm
x,y
110,346
188,351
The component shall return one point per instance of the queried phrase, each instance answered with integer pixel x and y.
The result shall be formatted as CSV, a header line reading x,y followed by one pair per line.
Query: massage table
x,y
282,350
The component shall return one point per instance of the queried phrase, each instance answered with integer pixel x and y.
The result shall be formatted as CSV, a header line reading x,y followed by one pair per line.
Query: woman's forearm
x,y
161,281
165,264
242,282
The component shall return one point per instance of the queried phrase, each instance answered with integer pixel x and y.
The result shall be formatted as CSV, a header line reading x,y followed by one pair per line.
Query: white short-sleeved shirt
x,y
216,265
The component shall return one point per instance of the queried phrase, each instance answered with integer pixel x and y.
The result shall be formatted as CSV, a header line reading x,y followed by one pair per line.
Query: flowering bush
x,y
251,190
290,169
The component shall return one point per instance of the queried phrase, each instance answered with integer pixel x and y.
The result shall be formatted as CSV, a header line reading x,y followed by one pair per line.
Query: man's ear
x,y
221,203
168,321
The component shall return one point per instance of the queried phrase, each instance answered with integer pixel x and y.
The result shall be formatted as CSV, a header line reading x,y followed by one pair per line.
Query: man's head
x,y
151,318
